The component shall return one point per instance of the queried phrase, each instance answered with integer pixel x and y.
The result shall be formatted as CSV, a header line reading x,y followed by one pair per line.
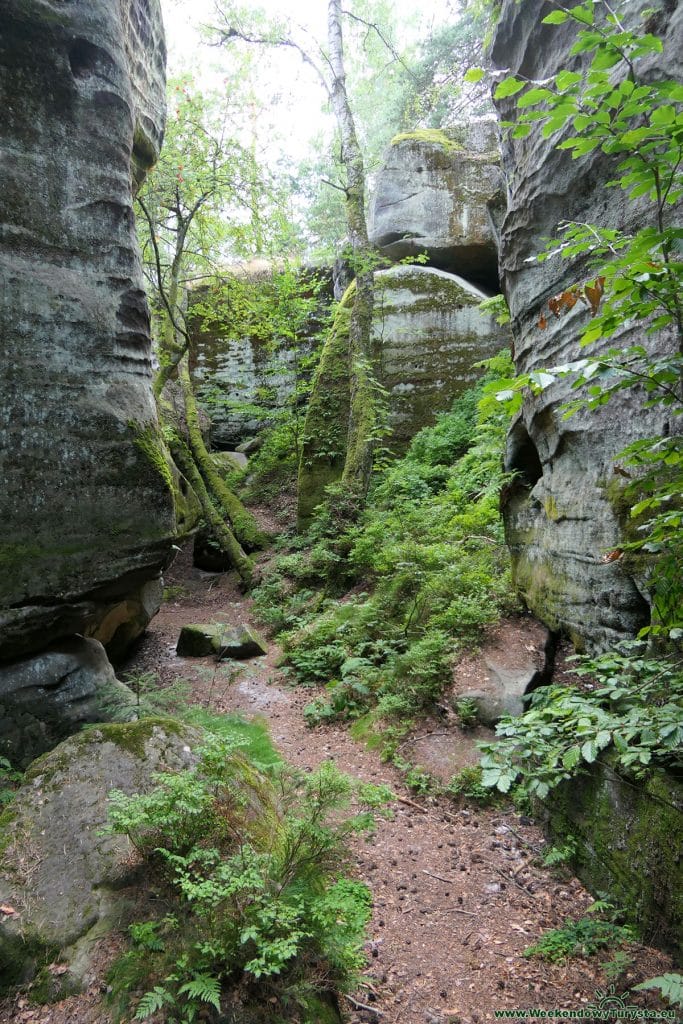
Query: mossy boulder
x,y
202,640
61,875
432,195
429,332
629,836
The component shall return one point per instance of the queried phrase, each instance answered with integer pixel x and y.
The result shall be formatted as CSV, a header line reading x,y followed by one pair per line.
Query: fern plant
x,y
251,864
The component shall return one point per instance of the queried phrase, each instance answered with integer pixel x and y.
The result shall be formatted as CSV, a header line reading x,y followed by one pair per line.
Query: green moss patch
x,y
431,136
627,845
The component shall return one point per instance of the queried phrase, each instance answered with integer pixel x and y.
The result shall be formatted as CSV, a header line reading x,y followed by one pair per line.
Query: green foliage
x,y
438,92
467,712
467,784
283,315
427,564
249,862
617,966
630,704
153,699
251,735
561,853
670,985
497,307
417,779
9,781
580,938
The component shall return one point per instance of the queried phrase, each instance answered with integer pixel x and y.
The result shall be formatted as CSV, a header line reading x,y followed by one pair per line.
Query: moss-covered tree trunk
x,y
185,461
244,525
362,358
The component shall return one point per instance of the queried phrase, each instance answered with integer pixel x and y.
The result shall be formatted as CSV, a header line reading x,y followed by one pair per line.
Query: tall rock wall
x,y
86,510
564,515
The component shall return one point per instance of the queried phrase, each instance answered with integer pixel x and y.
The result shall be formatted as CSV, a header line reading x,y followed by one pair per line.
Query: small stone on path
x,y
199,640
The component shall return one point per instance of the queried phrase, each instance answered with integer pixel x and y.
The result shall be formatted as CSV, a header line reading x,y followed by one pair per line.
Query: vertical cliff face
x,y
85,505
564,515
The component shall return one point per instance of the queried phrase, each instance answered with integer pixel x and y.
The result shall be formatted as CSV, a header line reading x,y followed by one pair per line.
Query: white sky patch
x,y
295,95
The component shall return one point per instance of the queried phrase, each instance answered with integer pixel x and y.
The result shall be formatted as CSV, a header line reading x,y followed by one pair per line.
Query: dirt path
x,y
458,893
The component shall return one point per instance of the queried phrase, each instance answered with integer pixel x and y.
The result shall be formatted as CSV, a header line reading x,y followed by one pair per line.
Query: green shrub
x,y
429,553
249,865
467,783
9,782
580,938
634,708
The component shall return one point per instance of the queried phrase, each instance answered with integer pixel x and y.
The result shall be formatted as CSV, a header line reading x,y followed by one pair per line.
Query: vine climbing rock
x,y
566,512
86,505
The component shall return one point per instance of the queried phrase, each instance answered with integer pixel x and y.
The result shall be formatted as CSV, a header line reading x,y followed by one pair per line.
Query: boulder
x,y
432,196
229,461
86,504
249,447
516,657
566,511
46,698
201,640
60,875
429,333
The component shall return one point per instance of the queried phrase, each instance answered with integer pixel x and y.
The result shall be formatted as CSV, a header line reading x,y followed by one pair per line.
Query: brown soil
x,y
459,892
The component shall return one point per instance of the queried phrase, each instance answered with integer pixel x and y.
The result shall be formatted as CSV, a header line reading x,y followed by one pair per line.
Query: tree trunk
x,y
363,419
243,523
185,462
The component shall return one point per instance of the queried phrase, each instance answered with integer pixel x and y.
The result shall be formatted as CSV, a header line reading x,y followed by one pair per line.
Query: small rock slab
x,y
202,640
515,659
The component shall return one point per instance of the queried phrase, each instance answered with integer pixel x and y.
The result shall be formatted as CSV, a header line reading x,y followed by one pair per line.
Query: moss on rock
x,y
629,845
432,136
327,419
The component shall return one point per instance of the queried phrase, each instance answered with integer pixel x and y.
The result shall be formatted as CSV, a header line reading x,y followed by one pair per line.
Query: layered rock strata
x,y
566,514
86,502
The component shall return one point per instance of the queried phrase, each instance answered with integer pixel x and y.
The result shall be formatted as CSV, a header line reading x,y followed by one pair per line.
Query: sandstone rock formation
x,y
60,875
242,381
626,844
86,504
433,195
565,514
45,697
515,659
429,334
